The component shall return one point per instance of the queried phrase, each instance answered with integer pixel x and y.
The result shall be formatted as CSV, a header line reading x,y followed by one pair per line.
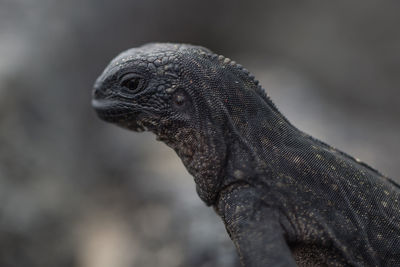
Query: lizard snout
x,y
98,91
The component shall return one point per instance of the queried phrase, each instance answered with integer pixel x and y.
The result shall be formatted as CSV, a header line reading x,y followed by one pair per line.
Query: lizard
x,y
285,197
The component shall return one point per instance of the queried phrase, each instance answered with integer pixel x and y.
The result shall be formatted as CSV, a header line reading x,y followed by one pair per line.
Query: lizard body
x,y
285,197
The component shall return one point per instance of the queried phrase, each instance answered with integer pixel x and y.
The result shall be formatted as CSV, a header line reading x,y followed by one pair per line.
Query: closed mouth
x,y
126,115
112,111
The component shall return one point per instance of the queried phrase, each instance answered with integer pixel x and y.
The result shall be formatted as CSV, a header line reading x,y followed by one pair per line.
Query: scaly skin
x,y
285,197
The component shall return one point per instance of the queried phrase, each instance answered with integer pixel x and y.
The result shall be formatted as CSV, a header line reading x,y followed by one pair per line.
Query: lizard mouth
x,y
123,114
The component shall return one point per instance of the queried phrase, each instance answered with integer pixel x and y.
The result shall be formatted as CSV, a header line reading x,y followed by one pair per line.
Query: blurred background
x,y
75,191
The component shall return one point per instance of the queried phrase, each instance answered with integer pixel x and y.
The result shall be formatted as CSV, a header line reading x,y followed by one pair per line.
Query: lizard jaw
x,y
124,115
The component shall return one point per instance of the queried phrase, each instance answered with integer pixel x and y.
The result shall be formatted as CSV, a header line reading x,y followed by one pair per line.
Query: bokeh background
x,y
75,191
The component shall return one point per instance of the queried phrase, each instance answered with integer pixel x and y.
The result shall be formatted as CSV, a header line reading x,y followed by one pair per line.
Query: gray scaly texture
x,y
285,198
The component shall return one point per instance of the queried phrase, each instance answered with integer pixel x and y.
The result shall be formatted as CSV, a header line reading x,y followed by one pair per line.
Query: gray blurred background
x,y
75,191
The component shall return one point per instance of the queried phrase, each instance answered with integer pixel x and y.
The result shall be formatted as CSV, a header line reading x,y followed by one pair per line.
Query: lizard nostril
x,y
97,93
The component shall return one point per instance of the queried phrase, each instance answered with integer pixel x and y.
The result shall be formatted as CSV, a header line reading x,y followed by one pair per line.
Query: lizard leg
x,y
254,228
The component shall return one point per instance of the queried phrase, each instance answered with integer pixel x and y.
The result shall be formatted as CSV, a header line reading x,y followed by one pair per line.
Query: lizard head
x,y
186,95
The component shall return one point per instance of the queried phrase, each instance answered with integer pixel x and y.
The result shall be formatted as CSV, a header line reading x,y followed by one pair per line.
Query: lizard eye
x,y
133,83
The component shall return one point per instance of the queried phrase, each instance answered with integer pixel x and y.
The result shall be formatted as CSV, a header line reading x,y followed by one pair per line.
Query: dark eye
x,y
133,83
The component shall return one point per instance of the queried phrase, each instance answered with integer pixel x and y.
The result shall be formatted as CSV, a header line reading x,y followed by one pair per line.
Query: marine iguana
x,y
285,197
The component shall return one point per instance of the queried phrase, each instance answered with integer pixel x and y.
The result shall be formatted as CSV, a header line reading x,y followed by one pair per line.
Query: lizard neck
x,y
260,129
204,157
256,141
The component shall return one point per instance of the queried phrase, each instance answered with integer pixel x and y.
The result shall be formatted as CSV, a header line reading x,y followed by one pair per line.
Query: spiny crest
x,y
228,62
